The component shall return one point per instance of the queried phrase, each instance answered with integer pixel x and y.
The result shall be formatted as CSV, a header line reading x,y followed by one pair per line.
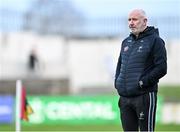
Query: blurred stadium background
x,y
77,44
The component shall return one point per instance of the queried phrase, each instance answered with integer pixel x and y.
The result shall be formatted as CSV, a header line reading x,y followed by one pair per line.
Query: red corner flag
x,y
25,107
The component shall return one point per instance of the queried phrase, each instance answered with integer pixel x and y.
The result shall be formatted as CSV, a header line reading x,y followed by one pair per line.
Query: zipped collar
x,y
148,31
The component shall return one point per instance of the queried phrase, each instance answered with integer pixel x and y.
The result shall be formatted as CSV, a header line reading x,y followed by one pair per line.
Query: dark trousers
x,y
138,113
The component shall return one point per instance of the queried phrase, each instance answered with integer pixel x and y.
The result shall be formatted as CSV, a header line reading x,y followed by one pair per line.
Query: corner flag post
x,y
18,105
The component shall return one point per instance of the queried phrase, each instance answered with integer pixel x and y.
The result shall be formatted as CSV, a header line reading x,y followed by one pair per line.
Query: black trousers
x,y
138,113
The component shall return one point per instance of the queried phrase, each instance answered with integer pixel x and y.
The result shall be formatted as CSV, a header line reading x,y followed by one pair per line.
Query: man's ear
x,y
145,21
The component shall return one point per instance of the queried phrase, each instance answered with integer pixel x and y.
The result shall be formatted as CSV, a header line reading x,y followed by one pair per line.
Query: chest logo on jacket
x,y
126,48
142,41
140,49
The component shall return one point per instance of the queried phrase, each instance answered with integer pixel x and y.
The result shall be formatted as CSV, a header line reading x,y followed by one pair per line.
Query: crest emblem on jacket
x,y
140,49
126,48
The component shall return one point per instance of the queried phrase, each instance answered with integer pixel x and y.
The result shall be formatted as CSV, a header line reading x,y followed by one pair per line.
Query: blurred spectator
x,y
33,61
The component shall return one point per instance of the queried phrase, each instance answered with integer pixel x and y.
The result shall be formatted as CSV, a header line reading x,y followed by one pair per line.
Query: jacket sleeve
x,y
160,64
118,67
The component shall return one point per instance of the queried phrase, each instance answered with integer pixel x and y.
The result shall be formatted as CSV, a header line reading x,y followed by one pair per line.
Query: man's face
x,y
137,22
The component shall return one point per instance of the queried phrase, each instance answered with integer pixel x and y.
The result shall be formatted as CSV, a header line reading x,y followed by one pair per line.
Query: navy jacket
x,y
142,62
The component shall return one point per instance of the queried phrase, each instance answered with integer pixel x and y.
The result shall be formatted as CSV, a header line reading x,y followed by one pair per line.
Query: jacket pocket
x,y
133,85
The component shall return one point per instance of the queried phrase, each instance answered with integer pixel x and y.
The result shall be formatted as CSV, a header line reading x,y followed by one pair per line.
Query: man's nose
x,y
131,23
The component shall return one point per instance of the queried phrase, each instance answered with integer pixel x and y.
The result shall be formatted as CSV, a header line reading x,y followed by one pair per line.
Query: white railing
x,y
19,69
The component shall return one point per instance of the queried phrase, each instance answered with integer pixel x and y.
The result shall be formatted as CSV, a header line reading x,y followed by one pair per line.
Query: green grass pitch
x,y
108,127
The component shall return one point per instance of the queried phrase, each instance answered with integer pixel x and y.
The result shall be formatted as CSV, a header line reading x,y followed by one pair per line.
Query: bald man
x,y
142,62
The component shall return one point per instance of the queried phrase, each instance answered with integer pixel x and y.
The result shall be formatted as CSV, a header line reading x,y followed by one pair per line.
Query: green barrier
x,y
160,102
75,110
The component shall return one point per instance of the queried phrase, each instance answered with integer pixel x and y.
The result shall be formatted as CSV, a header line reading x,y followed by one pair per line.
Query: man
x,y
142,62
32,60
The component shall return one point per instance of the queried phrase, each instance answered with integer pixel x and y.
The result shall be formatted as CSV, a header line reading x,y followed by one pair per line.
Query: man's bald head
x,y
138,12
137,21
